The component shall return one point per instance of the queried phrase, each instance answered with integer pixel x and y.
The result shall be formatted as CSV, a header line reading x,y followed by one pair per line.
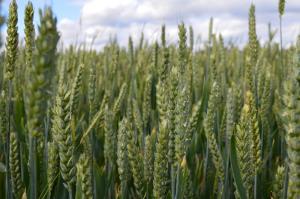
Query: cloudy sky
x,y
85,20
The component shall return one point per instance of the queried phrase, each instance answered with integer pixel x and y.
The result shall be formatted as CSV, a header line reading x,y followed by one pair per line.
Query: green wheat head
x,y
85,175
61,125
53,165
281,7
15,166
12,40
209,131
161,179
122,155
289,114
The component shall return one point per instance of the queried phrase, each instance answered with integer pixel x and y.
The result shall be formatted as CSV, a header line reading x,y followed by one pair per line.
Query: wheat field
x,y
150,120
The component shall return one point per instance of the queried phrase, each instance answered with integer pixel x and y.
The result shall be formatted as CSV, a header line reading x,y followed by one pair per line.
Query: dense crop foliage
x,y
161,120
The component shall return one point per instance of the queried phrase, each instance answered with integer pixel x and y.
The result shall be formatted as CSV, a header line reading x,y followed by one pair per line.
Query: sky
x,y
96,21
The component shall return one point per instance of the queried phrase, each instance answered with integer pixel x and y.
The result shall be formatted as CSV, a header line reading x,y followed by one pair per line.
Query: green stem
x,y
226,190
255,187
177,192
281,48
9,109
205,165
124,190
173,179
33,167
92,165
286,179
71,192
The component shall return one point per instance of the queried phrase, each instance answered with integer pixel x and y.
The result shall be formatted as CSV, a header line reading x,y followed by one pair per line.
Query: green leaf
x,y
2,168
236,171
91,126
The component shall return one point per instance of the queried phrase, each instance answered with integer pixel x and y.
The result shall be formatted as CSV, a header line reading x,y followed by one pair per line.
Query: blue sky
x,y
62,9
86,20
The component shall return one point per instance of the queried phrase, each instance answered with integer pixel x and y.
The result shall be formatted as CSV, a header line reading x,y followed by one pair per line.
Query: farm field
x,y
162,120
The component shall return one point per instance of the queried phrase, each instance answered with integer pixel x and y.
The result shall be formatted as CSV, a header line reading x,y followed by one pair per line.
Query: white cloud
x,y
69,30
102,19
